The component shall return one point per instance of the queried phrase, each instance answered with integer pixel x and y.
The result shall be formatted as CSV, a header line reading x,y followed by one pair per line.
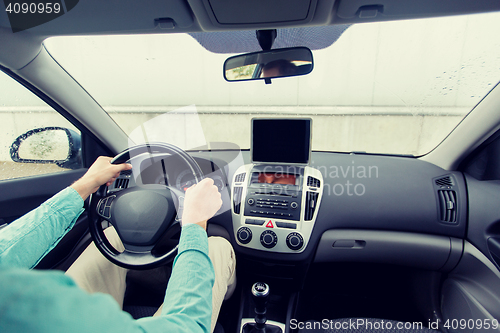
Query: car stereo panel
x,y
274,207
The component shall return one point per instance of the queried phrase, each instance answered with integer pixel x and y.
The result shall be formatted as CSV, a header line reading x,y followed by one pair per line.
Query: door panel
x,y
19,196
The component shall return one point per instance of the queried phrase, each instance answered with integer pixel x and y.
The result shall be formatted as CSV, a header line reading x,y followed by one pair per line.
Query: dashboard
x,y
328,206
389,209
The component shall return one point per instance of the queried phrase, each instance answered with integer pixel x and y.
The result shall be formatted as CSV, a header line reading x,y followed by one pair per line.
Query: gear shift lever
x,y
260,296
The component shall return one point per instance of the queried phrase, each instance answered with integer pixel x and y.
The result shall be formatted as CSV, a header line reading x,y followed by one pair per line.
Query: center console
x,y
275,199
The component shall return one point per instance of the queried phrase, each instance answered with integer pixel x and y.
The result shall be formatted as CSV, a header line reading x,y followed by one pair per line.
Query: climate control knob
x,y
268,239
244,235
294,241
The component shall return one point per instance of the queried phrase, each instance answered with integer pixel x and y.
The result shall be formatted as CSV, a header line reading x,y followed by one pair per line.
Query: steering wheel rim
x,y
139,245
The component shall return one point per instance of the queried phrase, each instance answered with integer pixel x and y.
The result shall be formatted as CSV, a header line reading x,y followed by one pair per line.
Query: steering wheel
x,y
142,215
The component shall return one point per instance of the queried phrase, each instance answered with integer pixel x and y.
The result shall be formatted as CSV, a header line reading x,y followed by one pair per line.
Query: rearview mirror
x,y
271,64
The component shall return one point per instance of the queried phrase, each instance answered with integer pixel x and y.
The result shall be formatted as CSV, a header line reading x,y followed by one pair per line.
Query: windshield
x,y
393,87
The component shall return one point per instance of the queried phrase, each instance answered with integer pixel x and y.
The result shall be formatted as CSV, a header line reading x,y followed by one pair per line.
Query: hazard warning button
x,y
269,224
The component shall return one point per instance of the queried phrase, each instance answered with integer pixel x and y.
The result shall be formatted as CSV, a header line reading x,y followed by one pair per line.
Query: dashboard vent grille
x,y
237,199
121,183
445,181
239,178
126,172
448,205
313,182
311,203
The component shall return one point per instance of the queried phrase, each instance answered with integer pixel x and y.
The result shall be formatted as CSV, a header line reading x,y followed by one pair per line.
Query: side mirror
x,y
267,65
57,145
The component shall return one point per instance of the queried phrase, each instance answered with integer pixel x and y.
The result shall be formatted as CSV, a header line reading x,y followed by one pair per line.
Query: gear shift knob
x,y
260,295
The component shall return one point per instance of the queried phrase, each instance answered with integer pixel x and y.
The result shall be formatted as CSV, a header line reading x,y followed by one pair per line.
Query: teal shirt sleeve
x,y
188,301
35,301
25,241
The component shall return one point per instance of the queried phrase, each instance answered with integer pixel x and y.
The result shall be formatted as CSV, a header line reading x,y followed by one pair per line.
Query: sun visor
x,y
260,11
315,38
404,9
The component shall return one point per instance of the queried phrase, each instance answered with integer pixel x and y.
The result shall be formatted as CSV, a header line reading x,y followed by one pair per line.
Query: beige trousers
x,y
94,273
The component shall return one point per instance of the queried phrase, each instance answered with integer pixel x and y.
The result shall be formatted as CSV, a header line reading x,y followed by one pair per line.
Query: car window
x,y
34,134
386,87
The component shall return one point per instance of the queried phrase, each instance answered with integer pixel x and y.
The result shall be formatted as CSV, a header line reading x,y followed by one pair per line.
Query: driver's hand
x,y
201,202
100,172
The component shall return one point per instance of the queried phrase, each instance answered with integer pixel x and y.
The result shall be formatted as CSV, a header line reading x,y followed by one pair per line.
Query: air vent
x,y
311,203
445,181
239,178
126,173
447,206
237,199
121,183
313,182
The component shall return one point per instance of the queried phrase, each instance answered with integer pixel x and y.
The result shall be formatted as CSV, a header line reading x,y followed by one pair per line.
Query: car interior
x,y
353,187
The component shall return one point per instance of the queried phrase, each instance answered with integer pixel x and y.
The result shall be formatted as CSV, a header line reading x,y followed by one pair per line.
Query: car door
x,y
41,153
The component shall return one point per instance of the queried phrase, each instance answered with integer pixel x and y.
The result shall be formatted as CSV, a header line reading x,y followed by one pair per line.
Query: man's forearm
x,y
25,241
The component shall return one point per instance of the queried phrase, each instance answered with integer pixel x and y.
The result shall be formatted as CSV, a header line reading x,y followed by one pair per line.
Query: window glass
x,y
46,138
388,87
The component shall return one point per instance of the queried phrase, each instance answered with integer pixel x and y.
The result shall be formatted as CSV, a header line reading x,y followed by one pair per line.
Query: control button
x,y
268,239
254,222
294,241
294,205
244,235
109,200
106,213
251,201
286,225
269,224
101,207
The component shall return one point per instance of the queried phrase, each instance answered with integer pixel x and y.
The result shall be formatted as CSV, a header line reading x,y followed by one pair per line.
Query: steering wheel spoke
x,y
179,203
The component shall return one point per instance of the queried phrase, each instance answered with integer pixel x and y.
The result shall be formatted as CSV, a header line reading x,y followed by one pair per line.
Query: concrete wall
x,y
345,129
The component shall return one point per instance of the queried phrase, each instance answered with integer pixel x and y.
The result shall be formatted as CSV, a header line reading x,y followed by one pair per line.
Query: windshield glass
x,y
393,87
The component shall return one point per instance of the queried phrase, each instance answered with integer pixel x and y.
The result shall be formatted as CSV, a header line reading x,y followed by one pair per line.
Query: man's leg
x,y
223,259
94,273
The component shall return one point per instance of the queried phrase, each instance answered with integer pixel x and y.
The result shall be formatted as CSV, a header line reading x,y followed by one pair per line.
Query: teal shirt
x,y
49,301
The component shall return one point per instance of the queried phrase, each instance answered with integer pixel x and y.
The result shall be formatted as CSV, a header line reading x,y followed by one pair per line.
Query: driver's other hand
x,y
100,172
201,202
